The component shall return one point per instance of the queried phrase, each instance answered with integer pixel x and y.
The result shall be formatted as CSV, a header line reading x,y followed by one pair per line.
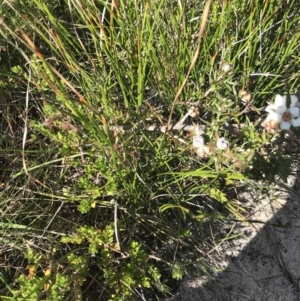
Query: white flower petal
x,y
294,100
295,111
281,109
274,117
280,100
197,131
296,122
222,143
285,125
198,141
271,108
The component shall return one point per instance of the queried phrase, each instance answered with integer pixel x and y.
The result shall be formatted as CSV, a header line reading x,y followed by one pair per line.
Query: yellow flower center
x,y
287,116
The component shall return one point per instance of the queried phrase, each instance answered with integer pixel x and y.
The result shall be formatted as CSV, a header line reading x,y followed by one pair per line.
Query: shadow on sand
x,y
263,265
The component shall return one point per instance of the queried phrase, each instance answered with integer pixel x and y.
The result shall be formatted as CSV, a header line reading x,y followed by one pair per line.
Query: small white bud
x,y
193,112
245,96
204,151
198,141
164,129
226,67
222,144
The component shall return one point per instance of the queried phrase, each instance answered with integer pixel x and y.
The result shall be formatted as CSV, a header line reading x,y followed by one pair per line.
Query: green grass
x,y
90,212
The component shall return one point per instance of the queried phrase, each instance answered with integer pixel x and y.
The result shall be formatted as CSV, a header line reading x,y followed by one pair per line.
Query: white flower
x,y
280,113
198,141
222,143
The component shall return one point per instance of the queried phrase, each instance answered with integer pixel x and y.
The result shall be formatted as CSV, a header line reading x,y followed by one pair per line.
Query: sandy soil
x,y
261,265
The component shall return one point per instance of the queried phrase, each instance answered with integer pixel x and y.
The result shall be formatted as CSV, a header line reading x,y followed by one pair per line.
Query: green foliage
x,y
93,236
122,271
177,271
53,286
31,289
